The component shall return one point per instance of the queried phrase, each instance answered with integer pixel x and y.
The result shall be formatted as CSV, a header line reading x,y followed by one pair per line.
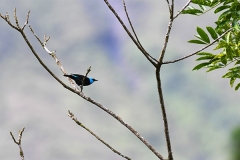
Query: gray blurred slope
x,y
202,108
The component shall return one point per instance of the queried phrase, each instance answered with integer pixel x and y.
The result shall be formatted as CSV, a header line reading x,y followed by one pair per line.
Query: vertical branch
x,y
159,85
164,115
167,34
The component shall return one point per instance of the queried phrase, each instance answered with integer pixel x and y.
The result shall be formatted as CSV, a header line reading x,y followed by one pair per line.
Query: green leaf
x,y
214,67
203,8
238,85
202,2
228,75
199,66
219,9
224,59
225,14
205,53
232,80
236,69
238,62
212,32
192,11
199,37
228,37
203,35
227,1
221,44
196,41
205,58
229,53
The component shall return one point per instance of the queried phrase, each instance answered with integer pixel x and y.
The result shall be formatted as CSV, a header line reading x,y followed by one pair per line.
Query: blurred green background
x,y
202,108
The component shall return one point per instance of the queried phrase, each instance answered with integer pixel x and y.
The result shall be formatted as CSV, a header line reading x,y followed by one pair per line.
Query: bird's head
x,y
92,80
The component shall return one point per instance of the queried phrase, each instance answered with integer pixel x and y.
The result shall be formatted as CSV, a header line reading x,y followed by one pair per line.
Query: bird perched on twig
x,y
79,79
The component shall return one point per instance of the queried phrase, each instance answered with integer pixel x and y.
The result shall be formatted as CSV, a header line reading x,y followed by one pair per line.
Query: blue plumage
x,y
79,79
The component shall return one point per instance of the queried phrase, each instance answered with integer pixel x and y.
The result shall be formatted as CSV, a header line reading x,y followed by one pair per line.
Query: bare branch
x,y
26,20
172,9
6,18
81,93
44,45
169,8
179,12
210,44
129,33
19,141
15,17
92,133
165,42
159,86
147,55
160,59
125,124
164,114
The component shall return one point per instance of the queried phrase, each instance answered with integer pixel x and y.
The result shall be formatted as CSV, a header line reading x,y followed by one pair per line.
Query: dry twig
x,y
70,114
19,141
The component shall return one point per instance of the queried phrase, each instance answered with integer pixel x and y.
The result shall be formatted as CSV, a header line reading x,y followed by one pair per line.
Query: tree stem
x,y
164,115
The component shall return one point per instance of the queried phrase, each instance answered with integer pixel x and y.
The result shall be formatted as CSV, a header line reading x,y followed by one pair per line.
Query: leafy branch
x,y
228,42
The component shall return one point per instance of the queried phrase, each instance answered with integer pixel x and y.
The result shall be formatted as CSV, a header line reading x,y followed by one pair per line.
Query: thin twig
x,y
147,55
128,32
70,114
52,53
44,45
6,18
15,17
26,20
210,44
88,70
179,12
169,8
160,59
19,141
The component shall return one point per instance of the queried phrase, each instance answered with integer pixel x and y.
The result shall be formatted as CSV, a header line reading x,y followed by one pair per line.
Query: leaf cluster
x,y
228,46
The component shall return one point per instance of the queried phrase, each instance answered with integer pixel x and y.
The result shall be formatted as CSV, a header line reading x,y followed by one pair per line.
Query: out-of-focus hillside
x,y
202,108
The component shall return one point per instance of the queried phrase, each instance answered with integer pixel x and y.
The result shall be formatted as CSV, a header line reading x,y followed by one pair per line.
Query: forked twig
x,y
179,12
151,59
19,141
147,55
70,114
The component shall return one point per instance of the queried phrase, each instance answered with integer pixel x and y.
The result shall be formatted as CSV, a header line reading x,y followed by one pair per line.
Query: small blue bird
x,y
79,79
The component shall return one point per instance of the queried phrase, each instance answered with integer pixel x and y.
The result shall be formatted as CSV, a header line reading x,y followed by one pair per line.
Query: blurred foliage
x,y
235,144
228,44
